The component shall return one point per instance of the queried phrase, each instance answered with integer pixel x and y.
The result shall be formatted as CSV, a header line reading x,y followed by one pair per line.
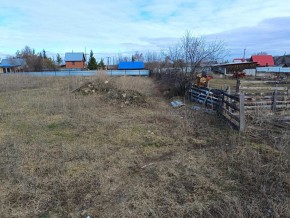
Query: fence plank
x,y
242,112
232,105
256,107
235,117
232,96
254,82
274,101
264,88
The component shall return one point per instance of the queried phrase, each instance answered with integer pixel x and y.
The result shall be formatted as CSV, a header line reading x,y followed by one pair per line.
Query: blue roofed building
x,y
75,60
12,65
134,65
130,68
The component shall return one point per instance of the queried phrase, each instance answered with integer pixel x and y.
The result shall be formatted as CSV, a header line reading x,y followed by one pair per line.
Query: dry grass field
x,y
106,154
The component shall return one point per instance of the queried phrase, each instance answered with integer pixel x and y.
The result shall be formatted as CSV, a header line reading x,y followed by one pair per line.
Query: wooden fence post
x,y
274,104
288,92
229,100
242,112
238,85
220,104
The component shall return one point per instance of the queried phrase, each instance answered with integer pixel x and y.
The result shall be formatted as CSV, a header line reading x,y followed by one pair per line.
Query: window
x,y
73,63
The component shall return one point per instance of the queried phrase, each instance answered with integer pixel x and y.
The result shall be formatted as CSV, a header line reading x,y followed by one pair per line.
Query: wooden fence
x,y
263,95
248,97
205,96
232,108
229,106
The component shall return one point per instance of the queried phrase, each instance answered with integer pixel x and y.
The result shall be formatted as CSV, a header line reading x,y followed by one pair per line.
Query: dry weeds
x,y
69,155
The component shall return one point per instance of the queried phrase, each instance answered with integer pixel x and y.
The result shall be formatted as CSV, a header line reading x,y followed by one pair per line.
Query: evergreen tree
x,y
58,59
49,64
101,65
44,54
92,64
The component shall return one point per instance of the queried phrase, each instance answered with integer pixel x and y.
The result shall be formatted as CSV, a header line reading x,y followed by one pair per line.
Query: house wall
x,y
74,64
250,72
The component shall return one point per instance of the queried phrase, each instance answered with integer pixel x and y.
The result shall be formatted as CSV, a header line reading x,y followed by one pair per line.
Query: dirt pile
x,y
90,87
111,93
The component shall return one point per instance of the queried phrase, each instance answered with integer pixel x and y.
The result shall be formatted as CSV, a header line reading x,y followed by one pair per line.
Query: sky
x,y
117,27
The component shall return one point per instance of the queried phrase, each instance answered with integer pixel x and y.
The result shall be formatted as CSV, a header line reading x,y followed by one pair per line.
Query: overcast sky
x,y
112,27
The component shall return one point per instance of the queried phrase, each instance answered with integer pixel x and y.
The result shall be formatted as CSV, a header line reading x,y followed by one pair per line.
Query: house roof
x,y
74,56
234,64
282,60
239,60
131,65
263,60
12,62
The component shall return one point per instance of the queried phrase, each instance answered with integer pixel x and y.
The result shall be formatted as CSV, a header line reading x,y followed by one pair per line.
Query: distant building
x,y
75,60
112,67
230,68
12,65
136,65
239,60
263,60
282,61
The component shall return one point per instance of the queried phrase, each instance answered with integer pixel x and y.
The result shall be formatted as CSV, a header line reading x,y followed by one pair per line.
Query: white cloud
x,y
123,25
270,35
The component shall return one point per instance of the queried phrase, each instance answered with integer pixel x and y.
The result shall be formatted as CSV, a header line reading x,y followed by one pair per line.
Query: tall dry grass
x,y
70,155
140,84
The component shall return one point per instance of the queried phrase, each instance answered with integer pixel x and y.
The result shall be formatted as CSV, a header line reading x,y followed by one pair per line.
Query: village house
x,y
12,65
134,65
282,61
75,60
134,68
228,69
263,60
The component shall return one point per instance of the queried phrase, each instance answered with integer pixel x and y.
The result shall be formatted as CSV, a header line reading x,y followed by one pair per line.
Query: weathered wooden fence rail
x,y
205,96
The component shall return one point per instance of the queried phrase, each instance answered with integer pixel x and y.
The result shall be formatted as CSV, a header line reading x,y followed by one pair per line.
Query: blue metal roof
x,y
12,62
78,56
131,65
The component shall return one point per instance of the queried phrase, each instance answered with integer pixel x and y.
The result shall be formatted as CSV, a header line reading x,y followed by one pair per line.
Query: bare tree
x,y
197,50
151,56
121,58
187,58
137,56
176,56
153,61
